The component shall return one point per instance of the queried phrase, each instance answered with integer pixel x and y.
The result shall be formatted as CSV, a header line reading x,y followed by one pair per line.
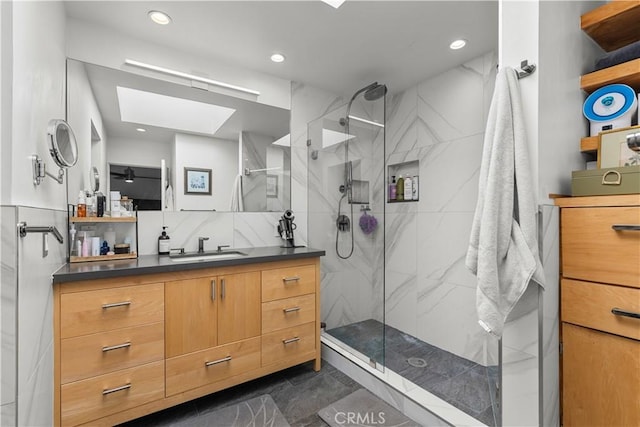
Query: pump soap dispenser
x,y
164,242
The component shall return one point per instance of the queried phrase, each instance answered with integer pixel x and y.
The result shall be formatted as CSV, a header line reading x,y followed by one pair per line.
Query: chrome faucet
x,y
222,246
201,244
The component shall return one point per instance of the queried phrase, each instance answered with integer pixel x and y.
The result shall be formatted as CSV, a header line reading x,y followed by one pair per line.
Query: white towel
x,y
168,196
237,202
503,247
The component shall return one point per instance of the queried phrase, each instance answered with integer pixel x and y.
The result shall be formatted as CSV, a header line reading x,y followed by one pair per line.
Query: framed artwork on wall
x,y
272,185
197,181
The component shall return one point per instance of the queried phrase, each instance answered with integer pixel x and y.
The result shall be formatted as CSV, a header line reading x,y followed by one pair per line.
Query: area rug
x,y
260,411
362,408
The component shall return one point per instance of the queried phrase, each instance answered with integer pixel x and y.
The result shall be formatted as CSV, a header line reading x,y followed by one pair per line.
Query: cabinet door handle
x,y
223,288
625,313
626,227
213,289
291,310
290,279
116,304
113,390
215,362
116,347
290,340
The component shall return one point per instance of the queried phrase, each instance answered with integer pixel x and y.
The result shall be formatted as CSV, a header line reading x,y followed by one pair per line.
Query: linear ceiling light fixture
x,y
188,76
369,122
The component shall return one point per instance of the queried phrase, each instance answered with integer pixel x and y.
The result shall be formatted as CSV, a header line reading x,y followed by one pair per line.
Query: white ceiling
x,y
399,43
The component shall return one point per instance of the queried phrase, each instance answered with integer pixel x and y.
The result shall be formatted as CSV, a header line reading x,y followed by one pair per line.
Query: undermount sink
x,y
207,256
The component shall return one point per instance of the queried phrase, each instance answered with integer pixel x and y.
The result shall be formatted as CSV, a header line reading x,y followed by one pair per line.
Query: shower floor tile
x,y
462,383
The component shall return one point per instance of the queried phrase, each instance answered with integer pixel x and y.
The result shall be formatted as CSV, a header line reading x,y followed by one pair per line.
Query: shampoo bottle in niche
x,y
400,188
408,188
392,188
414,188
164,243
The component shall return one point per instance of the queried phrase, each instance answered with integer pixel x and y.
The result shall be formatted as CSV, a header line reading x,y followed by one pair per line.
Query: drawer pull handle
x,y
213,289
625,313
626,227
291,310
290,340
290,279
223,288
116,304
215,362
113,390
116,347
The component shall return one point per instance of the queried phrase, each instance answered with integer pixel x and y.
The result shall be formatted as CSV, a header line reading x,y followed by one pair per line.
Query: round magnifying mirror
x,y
62,143
95,179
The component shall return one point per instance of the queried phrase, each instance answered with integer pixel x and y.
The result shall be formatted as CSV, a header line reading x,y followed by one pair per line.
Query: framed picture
x,y
613,151
272,185
197,181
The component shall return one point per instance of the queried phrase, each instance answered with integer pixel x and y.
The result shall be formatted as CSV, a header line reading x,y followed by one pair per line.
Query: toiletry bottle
x,y
400,188
407,188
82,206
414,188
90,202
72,241
392,189
164,243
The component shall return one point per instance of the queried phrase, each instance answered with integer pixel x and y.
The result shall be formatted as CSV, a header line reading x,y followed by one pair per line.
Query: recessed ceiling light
x,y
141,129
159,17
457,44
277,57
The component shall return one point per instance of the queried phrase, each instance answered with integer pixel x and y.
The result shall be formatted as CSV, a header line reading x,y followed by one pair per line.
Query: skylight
x,y
152,109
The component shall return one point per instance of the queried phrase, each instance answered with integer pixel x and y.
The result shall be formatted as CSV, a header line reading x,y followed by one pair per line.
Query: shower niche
x,y
404,169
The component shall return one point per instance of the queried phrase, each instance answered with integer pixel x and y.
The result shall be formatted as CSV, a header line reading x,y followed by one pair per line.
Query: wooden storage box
x,y
605,182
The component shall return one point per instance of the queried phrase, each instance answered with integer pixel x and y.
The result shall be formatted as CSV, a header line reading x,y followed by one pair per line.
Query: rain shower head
x,y
375,92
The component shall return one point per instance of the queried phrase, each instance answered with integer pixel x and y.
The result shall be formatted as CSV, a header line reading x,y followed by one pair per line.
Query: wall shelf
x,y
627,73
614,24
102,219
131,255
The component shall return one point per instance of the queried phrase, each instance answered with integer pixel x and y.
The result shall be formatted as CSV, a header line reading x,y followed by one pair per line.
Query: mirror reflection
x,y
143,134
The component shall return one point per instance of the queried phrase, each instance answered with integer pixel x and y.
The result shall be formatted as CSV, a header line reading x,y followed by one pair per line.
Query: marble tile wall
x,y
429,292
27,310
8,308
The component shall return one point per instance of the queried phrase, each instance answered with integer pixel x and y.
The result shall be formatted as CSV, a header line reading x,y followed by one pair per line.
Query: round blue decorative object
x,y
609,102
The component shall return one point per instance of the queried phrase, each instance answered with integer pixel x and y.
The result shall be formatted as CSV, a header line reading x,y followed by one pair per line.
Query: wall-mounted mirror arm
x,y
40,171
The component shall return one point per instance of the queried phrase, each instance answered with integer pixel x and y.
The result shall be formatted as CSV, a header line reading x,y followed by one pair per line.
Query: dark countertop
x,y
148,264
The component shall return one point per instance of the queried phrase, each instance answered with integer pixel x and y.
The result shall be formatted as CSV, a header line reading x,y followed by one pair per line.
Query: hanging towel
x,y
168,196
237,203
503,247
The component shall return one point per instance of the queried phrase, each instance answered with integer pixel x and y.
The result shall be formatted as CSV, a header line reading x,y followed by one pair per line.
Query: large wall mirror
x,y
170,146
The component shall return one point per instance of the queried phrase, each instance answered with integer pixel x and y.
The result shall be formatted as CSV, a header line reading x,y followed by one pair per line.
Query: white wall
x,y
38,96
221,156
114,48
82,110
147,153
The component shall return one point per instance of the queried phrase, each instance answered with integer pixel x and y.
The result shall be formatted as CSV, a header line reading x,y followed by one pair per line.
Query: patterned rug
x,y
362,408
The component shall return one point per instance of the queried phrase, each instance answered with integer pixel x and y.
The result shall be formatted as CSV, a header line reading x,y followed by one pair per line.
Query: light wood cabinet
x,y
600,310
127,347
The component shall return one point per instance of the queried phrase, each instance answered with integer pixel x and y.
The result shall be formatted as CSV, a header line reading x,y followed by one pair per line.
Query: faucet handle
x,y
180,250
203,238
222,246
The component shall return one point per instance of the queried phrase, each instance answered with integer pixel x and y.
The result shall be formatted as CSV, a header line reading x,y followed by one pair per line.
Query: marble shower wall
x,y
27,310
430,294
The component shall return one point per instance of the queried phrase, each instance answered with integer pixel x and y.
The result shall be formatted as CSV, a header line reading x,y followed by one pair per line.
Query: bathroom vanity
x,y
132,337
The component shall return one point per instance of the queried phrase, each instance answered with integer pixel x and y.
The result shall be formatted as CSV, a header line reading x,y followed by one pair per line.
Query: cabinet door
x,y
239,307
190,315
601,378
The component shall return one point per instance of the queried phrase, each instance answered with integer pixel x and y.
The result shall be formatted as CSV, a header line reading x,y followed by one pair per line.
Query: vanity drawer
x,y
592,250
590,304
284,313
103,310
88,400
96,354
288,343
204,367
288,282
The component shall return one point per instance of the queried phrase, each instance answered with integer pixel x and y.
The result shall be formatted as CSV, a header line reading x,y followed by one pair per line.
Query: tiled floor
x,y
299,392
466,385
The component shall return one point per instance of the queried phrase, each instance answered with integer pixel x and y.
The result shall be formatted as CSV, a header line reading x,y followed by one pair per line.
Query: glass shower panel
x,y
346,218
